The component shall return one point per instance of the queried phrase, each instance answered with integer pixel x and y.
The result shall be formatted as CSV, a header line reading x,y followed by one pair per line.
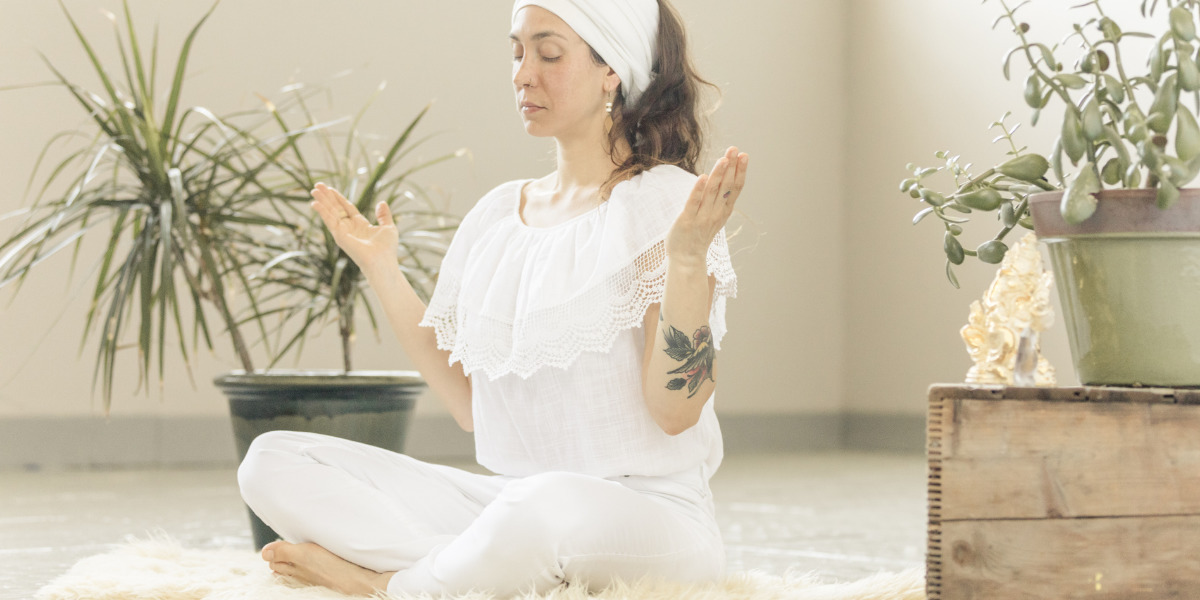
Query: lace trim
x,y
589,322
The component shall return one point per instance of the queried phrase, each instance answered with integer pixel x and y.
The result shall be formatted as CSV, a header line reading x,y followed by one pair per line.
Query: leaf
x,y
1166,102
920,216
1048,57
676,384
180,68
951,276
1187,135
1079,202
1073,141
1167,194
678,339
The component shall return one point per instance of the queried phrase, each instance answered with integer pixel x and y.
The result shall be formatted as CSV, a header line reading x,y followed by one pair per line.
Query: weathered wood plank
x,y
1117,558
1019,459
1068,394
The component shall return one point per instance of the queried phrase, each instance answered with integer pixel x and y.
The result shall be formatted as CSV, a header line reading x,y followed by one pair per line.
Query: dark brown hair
x,y
664,126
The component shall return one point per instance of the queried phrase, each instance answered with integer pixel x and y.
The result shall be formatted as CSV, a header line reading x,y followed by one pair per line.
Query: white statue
x,y
1002,332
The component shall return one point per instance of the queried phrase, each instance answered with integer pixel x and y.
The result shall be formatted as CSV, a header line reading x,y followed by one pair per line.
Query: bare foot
x,y
314,565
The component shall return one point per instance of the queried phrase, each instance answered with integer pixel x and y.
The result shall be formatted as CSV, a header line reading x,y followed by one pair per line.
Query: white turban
x,y
623,33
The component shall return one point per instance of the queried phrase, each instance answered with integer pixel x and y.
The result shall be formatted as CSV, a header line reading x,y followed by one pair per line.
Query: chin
x,y
536,129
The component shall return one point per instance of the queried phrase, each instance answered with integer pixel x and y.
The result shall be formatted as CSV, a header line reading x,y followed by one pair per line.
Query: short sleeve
x,y
442,312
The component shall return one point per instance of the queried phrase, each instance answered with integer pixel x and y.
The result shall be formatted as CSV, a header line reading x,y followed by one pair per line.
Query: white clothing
x,y
548,323
445,530
623,32
553,317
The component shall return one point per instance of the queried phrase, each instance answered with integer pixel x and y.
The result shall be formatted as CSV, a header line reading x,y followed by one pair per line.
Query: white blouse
x,y
548,324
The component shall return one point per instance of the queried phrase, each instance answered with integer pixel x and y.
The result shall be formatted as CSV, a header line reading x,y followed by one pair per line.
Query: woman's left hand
x,y
708,208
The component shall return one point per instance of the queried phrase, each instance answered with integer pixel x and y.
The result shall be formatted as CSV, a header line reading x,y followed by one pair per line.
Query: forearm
x,y
679,374
404,311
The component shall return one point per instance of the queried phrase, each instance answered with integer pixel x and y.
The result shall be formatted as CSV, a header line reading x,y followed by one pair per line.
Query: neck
x,y
584,160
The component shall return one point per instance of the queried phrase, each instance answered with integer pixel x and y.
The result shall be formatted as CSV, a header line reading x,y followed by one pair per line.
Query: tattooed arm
x,y
679,368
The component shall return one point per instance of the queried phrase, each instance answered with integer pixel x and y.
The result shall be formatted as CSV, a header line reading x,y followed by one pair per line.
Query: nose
x,y
523,73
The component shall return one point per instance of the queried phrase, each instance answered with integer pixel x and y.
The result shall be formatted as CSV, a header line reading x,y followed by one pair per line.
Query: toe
x,y
278,550
284,568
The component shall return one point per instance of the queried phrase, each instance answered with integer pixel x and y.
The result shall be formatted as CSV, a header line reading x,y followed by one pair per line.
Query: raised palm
x,y
367,245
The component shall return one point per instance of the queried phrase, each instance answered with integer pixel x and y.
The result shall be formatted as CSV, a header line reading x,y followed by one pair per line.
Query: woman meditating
x,y
574,329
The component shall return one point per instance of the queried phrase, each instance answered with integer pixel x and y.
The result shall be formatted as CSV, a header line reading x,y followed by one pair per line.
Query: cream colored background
x,y
842,305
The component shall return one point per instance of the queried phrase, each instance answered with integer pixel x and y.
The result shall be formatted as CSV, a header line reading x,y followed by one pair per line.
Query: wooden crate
x,y
1063,493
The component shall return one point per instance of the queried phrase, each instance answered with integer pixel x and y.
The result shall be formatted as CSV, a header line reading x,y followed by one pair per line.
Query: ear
x,y
612,82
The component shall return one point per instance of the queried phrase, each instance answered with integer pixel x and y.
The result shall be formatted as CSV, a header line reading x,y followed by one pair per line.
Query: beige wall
x,y
926,76
843,304
781,67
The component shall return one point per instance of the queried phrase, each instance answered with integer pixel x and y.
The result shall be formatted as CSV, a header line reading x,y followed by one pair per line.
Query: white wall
x,y
781,65
926,76
843,303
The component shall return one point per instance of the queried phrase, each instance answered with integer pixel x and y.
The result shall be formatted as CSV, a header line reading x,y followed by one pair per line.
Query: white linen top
x,y
547,321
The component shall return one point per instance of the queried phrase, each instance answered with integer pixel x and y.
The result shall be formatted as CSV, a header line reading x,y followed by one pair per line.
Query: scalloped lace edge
x,y
556,336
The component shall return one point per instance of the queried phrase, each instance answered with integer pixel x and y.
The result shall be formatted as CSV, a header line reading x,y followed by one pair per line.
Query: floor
x,y
843,515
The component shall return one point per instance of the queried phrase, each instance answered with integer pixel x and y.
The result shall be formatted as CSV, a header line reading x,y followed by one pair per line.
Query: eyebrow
x,y
537,36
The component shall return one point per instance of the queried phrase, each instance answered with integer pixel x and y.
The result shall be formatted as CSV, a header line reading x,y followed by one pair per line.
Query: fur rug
x,y
159,568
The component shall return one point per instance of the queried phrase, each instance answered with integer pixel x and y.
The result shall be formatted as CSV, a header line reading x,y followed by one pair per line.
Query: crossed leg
x,y
359,519
351,514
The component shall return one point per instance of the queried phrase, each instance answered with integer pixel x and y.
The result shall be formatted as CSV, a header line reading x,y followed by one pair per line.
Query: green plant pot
x,y
1129,282
365,406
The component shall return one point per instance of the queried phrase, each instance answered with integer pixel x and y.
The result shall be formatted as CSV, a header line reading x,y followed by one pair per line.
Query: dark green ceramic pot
x,y
1129,282
373,407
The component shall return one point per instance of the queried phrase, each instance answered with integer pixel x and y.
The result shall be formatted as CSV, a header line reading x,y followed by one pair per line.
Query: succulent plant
x,y
1120,128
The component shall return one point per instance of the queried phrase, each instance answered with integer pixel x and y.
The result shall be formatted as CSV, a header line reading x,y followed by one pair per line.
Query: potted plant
x,y
1109,199
305,281
208,214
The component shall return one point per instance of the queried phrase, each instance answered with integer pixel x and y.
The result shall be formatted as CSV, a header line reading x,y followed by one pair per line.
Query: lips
x,y
529,107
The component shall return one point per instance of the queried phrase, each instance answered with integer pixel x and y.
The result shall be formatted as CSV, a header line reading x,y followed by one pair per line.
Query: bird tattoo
x,y
696,354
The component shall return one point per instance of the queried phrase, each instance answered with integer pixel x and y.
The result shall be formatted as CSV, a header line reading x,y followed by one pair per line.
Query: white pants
x,y
445,530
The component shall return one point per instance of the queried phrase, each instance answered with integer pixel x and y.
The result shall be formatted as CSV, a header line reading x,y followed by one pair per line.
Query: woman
x,y
587,357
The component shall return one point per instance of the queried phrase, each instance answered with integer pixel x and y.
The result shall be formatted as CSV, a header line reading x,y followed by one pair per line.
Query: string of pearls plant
x,y
1120,128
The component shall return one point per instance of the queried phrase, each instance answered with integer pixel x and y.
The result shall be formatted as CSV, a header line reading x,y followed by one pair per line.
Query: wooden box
x,y
1063,493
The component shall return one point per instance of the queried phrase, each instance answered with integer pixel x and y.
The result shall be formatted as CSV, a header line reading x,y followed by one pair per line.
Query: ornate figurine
x,y
1002,332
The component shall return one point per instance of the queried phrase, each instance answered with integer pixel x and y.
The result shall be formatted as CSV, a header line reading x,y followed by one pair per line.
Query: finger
x,y
727,181
337,204
383,214
739,181
347,206
714,182
327,217
696,198
324,194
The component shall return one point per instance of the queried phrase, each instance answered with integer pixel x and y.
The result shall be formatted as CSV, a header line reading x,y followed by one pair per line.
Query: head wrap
x,y
622,32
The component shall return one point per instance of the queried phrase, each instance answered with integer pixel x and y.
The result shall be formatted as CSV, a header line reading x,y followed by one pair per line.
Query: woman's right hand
x,y
370,246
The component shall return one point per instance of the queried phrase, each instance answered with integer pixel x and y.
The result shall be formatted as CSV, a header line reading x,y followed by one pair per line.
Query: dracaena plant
x,y
1124,124
305,279
209,214
172,192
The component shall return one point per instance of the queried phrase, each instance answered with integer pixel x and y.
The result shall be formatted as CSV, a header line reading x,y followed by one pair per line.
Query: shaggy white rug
x,y
159,568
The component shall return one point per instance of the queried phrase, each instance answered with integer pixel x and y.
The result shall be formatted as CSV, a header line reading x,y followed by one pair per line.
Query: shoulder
x,y
499,197
664,182
494,206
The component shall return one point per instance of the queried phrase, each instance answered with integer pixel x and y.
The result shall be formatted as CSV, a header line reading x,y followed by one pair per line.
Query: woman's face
x,y
560,89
